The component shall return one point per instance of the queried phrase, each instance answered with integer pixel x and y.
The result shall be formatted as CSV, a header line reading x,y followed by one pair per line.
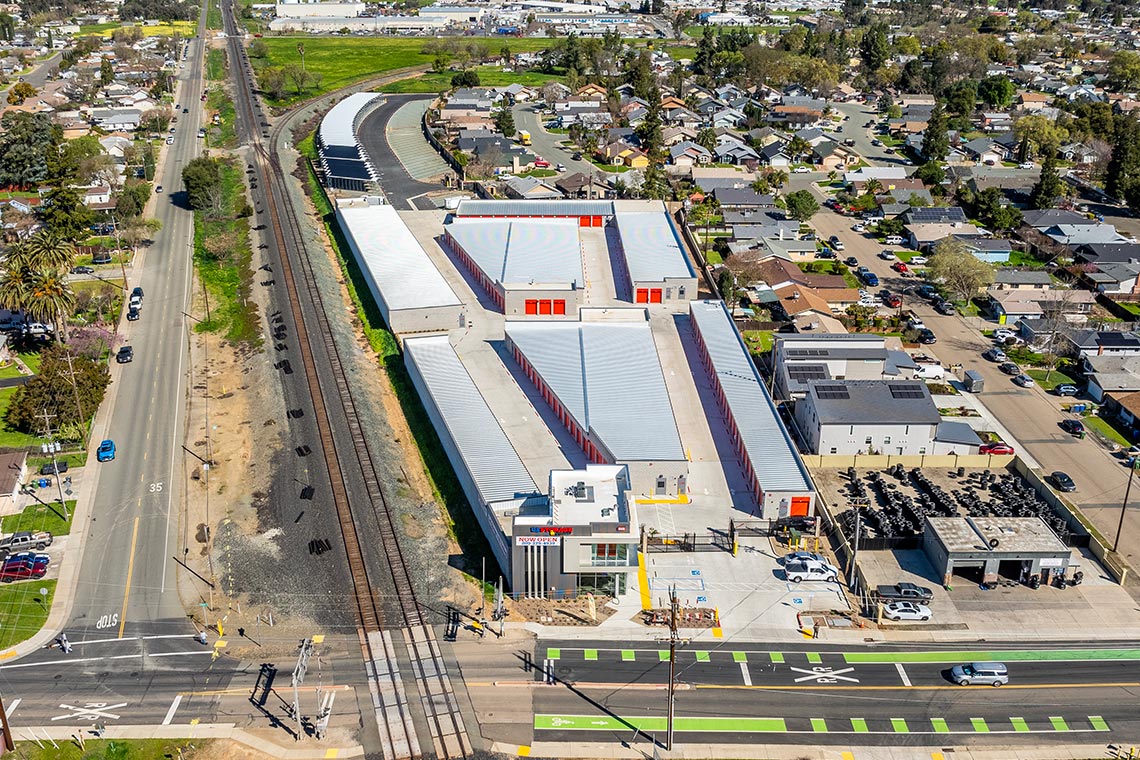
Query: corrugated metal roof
x,y
609,378
392,259
651,246
774,458
522,251
534,208
475,433
339,125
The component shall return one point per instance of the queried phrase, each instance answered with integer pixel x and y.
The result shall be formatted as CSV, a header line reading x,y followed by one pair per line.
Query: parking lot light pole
x,y
1124,504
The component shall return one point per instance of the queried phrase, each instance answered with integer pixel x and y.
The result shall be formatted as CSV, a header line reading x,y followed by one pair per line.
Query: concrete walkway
x,y
409,144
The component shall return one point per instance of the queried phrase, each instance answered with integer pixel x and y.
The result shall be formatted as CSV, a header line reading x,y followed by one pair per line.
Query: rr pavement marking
x,y
628,655
1059,723
173,709
900,726
858,725
902,674
940,726
814,658
1019,724
663,655
980,725
702,655
591,654
746,675
553,654
819,725
776,657
1098,723
739,657
130,572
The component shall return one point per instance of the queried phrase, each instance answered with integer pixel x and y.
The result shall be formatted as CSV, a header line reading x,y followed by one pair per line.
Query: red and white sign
x,y
537,540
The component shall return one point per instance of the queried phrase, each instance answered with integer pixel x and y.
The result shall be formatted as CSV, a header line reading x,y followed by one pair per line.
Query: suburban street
x,y
1030,414
548,144
745,693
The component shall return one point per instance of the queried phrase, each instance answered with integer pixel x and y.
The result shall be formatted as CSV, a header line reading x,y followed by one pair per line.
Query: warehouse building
x,y
585,540
529,267
493,477
780,481
878,417
586,213
408,288
984,549
345,164
656,261
602,377
799,359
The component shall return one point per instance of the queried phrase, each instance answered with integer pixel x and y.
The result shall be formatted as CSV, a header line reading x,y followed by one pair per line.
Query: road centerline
x,y
130,573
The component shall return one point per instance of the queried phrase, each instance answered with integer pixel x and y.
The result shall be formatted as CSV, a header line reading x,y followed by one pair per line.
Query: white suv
x,y
811,570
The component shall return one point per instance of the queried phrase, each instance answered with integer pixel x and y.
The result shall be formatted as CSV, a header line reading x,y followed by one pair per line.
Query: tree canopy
x,y
958,270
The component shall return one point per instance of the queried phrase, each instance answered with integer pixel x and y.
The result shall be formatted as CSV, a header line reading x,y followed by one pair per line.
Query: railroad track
x,y
394,717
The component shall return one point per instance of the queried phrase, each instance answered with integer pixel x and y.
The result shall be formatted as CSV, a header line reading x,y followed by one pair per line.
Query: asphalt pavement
x,y
548,144
394,179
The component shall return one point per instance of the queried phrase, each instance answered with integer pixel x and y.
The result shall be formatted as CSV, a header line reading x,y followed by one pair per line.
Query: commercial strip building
x,y
799,359
780,481
408,288
982,549
529,267
345,164
875,416
603,379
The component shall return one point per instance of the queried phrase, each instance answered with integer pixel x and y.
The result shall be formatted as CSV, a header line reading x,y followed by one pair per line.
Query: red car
x,y
996,448
892,301
900,267
21,572
541,163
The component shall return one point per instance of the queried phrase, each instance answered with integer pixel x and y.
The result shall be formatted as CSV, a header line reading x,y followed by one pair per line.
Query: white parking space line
x,y
902,674
180,654
173,708
744,672
12,706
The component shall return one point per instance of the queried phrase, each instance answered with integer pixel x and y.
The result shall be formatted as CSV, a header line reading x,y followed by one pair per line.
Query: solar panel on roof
x,y
905,391
832,392
803,373
936,214
807,352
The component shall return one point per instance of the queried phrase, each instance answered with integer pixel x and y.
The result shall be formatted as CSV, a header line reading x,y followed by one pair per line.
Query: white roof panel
x,y
399,269
339,125
652,249
770,449
522,251
609,378
476,435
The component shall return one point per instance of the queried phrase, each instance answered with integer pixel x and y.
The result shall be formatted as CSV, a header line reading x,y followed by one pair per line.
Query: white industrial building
x,y
529,267
780,481
372,24
316,10
878,417
412,294
802,358
656,261
603,379
343,161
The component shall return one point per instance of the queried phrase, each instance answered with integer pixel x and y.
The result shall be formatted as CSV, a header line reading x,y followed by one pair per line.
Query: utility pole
x,y
52,447
674,640
9,744
298,679
1124,504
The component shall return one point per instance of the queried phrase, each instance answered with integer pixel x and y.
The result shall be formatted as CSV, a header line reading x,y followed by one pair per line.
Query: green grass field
x,y
23,612
115,749
222,135
10,438
1056,377
39,517
343,60
1106,429
216,65
489,76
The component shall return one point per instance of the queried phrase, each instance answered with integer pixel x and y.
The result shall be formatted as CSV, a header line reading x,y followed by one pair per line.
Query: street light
x,y
1124,505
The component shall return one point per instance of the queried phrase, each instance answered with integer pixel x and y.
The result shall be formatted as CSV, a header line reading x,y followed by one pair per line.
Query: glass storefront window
x,y
609,555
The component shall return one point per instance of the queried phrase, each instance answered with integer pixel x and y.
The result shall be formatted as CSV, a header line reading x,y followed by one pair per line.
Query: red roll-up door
x,y
544,307
655,295
560,308
583,221
800,506
532,307
643,295
597,221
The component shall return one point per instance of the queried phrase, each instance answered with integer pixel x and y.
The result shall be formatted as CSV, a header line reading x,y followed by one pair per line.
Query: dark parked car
x,y
1074,427
126,354
132,314
137,292
851,261
927,291
1009,368
82,270
1066,390
945,307
1062,482
926,336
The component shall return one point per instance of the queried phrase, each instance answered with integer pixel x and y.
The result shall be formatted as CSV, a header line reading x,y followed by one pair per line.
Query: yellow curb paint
x,y
319,638
848,756
334,752
643,582
524,751
717,633
8,655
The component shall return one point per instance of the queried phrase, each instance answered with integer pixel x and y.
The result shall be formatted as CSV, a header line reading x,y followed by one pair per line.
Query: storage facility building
x,y
602,377
780,480
412,294
587,213
529,267
656,262
346,166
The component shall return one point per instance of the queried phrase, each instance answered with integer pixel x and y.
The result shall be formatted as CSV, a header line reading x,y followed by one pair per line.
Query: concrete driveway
x,y
1031,415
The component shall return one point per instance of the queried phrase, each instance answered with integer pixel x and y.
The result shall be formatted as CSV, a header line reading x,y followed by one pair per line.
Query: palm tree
x,y
777,178
761,185
50,299
48,250
706,138
872,186
798,146
15,282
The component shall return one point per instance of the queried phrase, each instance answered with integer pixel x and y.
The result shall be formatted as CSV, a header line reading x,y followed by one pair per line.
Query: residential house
x,y
756,226
924,236
1124,408
1111,374
790,249
531,188
734,152
1022,279
675,135
996,121
1078,153
97,197
1103,253
935,214
689,154
580,185
775,155
593,92
1032,101
989,250
874,416
743,198
983,150
728,117
1115,278
794,116
828,155
682,117
1089,343
1010,306
116,119
1087,233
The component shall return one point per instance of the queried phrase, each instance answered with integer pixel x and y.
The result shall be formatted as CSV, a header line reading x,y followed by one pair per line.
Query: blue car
x,y
106,451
